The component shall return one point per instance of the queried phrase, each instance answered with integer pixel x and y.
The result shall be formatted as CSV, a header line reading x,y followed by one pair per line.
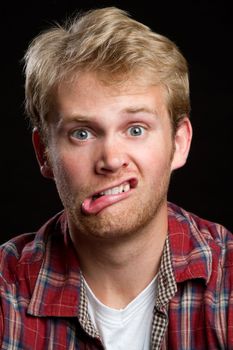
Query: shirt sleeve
x,y
1,317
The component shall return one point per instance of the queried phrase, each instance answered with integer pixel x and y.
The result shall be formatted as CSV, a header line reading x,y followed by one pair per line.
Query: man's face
x,y
111,155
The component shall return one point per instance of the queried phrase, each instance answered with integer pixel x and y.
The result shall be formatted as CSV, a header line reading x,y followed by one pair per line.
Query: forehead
x,y
88,98
92,87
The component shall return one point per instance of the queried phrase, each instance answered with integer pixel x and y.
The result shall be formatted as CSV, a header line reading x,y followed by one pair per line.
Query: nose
x,y
111,158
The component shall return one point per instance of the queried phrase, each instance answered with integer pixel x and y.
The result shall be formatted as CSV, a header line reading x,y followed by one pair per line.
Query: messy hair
x,y
110,43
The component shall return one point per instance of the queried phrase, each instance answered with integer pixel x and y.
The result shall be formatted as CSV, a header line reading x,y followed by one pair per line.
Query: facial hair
x,y
128,217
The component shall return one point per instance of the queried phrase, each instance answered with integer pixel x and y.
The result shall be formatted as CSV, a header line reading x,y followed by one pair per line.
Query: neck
x,y
117,271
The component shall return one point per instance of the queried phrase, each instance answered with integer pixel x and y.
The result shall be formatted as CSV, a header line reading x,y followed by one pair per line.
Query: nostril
x,y
111,164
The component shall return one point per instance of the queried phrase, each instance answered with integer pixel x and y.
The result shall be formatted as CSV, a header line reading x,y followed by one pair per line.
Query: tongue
x,y
94,206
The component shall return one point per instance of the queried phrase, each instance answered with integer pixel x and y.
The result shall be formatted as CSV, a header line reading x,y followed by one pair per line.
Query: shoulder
x,y
25,251
199,247
195,225
202,258
12,252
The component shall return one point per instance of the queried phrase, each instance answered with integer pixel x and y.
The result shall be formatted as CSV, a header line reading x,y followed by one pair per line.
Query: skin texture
x,y
101,137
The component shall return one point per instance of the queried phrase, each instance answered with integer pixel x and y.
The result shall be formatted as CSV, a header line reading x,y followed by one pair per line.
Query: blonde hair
x,y
109,42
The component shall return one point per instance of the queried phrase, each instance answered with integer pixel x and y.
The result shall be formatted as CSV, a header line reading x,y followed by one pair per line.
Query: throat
x,y
118,296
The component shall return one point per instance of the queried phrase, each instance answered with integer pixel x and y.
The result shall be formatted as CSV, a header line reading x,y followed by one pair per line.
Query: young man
x,y
120,267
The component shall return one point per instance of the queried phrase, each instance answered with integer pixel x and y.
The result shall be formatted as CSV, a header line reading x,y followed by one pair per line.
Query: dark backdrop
x,y
202,30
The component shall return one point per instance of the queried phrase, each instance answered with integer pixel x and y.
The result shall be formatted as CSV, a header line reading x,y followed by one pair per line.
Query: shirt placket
x,y
84,318
166,290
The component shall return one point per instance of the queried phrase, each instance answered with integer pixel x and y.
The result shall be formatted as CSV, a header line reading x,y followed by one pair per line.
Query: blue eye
x,y
81,134
136,130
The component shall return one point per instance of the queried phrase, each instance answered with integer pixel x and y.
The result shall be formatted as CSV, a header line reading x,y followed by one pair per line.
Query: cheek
x,y
67,169
157,171
155,159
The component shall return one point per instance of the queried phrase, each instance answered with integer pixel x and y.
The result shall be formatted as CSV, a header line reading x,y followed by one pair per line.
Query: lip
x,y
93,206
132,182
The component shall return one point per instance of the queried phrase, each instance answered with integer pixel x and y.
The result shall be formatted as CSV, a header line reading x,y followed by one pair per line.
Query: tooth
x,y
126,187
115,190
108,192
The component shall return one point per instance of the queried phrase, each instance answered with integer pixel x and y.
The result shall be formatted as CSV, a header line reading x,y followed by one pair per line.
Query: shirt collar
x,y
57,288
193,251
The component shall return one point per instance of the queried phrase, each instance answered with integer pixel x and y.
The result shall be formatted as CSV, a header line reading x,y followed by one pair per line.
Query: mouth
x,y
106,197
123,188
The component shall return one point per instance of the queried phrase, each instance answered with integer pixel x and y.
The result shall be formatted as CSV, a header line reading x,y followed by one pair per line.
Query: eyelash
x,y
85,130
80,131
142,128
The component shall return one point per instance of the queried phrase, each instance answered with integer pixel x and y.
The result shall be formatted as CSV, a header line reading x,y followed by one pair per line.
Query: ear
x,y
41,156
182,142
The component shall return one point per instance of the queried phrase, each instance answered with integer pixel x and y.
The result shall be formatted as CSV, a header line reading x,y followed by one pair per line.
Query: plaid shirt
x,y
44,305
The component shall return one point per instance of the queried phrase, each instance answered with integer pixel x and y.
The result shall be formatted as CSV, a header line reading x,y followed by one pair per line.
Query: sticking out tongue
x,y
94,204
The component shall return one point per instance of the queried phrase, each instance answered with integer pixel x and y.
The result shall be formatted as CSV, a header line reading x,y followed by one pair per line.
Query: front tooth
x,y
126,187
116,190
108,192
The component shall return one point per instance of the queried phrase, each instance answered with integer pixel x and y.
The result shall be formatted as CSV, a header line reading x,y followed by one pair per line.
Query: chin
x,y
116,222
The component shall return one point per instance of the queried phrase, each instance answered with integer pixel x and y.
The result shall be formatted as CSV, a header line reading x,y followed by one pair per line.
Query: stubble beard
x,y
127,218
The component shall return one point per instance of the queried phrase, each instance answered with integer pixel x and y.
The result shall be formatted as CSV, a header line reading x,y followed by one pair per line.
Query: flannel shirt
x,y
43,304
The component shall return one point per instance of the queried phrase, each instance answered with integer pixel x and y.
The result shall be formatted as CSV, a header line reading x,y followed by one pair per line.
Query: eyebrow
x,y
72,118
85,118
135,110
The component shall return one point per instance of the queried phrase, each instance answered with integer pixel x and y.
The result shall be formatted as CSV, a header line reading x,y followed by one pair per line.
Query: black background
x,y
203,31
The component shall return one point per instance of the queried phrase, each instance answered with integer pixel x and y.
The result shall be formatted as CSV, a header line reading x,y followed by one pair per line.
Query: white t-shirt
x,y
128,328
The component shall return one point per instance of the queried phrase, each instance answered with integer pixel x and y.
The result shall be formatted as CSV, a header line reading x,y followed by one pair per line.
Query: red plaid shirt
x,y
43,303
